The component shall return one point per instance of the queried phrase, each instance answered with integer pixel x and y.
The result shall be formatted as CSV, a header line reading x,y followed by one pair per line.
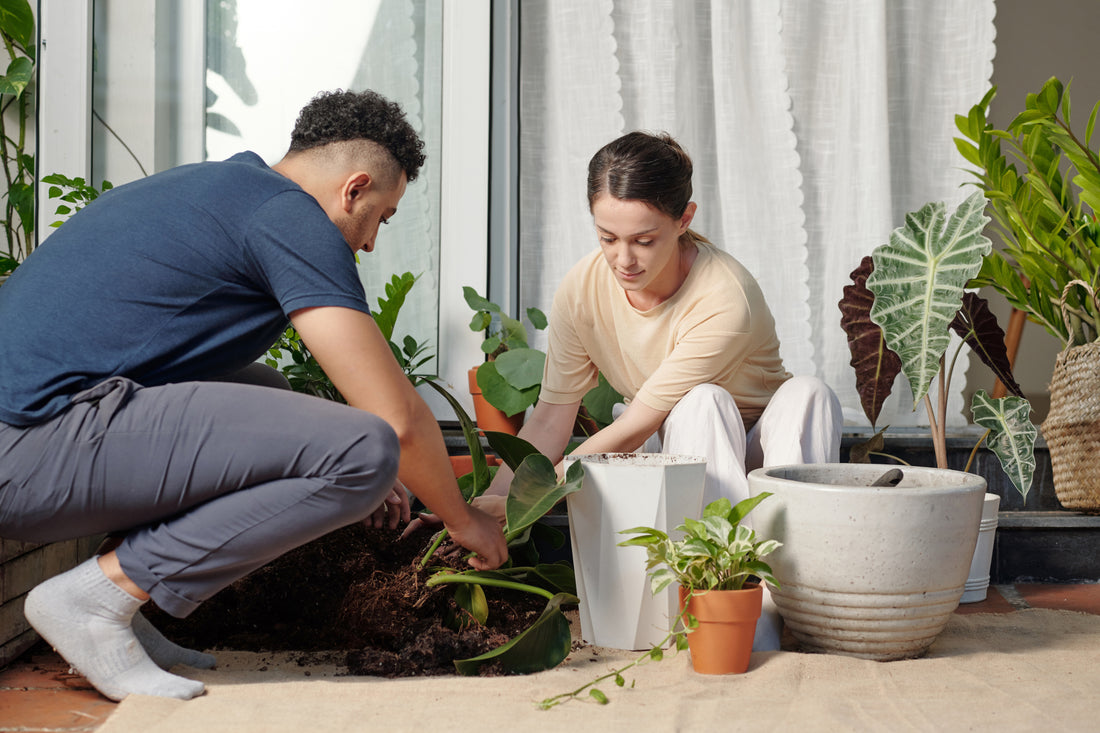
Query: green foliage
x,y
716,552
511,378
17,33
899,312
1042,181
291,356
73,194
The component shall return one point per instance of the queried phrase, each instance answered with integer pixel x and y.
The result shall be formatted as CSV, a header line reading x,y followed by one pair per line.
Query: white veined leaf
x,y
919,279
1011,437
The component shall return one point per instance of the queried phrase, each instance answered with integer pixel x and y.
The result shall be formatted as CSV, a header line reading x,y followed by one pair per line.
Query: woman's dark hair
x,y
643,167
340,116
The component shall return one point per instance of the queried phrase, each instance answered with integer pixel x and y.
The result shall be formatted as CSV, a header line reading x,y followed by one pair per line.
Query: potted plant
x,y
717,565
1042,181
509,380
905,541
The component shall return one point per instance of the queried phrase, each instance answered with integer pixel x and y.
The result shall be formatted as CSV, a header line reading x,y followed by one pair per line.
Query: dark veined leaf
x,y
978,327
876,366
542,646
861,452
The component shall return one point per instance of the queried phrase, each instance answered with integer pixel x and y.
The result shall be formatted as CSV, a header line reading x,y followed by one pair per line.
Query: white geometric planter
x,y
977,582
871,572
621,491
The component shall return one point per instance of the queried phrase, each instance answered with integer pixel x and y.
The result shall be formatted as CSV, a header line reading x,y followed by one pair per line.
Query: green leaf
x,y
389,307
521,368
477,303
18,76
598,696
535,489
918,283
1012,435
537,318
470,597
544,645
502,395
510,448
17,22
600,401
482,475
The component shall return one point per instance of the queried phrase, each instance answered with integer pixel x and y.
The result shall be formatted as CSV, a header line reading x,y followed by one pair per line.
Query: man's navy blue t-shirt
x,y
188,274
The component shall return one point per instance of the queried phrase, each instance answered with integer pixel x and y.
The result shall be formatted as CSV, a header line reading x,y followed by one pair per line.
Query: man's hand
x,y
395,507
480,533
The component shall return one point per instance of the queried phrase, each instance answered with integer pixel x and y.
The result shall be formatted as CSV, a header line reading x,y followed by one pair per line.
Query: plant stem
x,y
974,450
434,546
443,578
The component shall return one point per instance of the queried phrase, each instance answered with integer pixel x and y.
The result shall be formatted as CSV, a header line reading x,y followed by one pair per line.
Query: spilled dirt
x,y
359,591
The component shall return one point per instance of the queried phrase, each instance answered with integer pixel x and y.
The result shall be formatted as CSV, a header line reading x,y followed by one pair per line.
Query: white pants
x,y
801,424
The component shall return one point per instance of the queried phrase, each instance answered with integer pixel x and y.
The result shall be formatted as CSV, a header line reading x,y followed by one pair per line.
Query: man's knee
x,y
366,469
811,391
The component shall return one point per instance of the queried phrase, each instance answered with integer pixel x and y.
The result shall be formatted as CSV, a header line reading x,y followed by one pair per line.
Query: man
x,y
126,338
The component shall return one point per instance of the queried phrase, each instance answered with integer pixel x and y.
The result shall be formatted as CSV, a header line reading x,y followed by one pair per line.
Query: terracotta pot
x,y
722,643
489,417
462,465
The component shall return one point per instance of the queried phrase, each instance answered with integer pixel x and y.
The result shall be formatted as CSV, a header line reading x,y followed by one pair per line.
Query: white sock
x,y
86,618
164,652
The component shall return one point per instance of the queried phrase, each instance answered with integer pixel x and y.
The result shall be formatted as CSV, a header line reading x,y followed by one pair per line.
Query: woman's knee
x,y
811,391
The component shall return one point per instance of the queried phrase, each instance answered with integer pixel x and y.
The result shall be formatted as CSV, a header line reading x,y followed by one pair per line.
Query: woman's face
x,y
642,247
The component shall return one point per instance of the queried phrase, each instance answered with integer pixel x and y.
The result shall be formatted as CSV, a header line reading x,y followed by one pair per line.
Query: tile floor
x,y
38,695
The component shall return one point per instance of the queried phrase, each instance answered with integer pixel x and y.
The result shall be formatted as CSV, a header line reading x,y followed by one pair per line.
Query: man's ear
x,y
355,185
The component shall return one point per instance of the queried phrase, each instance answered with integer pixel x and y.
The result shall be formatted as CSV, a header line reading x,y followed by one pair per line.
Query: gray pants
x,y
207,481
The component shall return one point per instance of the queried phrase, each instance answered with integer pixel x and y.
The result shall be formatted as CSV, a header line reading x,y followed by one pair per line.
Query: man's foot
x,y
86,618
164,652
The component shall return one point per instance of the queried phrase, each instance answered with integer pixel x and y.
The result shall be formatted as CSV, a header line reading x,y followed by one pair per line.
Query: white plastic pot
x,y
977,583
622,491
871,572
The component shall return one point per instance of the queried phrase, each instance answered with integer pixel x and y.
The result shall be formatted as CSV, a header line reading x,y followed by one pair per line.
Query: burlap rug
x,y
1030,670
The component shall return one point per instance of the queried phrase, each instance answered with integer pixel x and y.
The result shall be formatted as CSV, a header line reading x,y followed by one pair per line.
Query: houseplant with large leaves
x,y
905,301
1042,181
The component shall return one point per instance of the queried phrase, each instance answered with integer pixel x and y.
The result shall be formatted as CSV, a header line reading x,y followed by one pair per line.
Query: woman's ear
x,y
687,216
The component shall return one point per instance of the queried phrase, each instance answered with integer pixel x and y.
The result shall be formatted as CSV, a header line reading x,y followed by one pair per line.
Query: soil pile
x,y
357,590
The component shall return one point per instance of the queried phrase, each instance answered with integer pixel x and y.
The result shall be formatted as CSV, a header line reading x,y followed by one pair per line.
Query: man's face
x,y
371,207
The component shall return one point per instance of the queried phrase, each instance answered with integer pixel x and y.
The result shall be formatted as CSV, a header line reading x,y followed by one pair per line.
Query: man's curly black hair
x,y
342,115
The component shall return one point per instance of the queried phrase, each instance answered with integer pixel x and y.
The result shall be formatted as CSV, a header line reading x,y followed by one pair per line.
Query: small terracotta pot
x,y
722,643
462,465
489,417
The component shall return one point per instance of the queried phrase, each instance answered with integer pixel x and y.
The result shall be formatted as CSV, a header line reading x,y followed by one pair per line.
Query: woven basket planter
x,y
1072,428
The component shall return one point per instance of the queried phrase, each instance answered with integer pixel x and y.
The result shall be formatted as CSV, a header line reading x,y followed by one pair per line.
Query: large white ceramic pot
x,y
868,571
621,491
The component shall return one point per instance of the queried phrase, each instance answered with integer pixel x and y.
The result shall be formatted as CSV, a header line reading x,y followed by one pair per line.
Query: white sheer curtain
x,y
814,127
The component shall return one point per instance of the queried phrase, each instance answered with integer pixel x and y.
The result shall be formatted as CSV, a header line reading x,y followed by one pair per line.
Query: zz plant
x,y
905,301
1042,181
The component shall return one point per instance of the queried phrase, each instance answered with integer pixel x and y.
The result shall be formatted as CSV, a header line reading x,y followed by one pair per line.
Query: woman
x,y
682,331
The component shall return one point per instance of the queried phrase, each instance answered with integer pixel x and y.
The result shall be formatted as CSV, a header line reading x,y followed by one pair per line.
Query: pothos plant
x,y
906,299
715,552
16,110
